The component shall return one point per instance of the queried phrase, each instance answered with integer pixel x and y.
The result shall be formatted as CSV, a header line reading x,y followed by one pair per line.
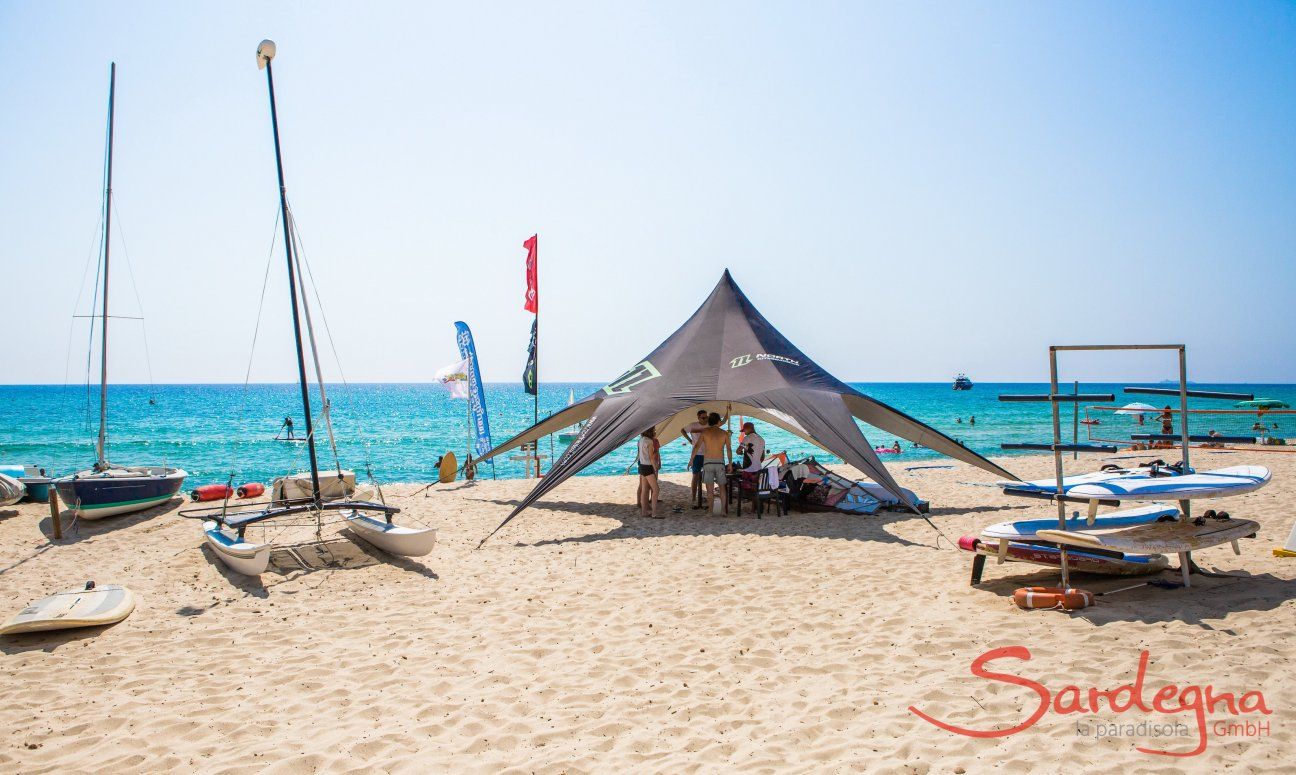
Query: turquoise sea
x,y
214,430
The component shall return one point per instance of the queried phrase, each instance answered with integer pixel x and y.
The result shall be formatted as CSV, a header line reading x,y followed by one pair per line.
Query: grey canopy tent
x,y
728,356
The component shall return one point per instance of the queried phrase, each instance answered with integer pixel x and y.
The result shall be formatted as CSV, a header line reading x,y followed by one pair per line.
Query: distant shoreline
x,y
980,384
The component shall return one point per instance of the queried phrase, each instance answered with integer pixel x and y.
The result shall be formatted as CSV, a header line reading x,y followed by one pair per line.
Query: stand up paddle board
x,y
1220,483
1081,561
91,606
1050,485
1160,537
1029,528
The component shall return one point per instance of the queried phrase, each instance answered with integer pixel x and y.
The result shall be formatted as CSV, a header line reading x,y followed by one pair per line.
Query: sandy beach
x,y
586,639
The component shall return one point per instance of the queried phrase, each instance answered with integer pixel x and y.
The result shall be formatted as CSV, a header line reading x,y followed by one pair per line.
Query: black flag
x,y
529,374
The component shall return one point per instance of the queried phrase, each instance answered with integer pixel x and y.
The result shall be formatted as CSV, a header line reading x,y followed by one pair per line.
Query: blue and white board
x,y
1028,529
1220,483
1050,485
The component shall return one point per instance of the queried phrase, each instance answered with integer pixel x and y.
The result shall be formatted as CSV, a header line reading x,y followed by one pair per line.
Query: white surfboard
x,y
106,604
1160,537
1050,485
1029,528
1220,483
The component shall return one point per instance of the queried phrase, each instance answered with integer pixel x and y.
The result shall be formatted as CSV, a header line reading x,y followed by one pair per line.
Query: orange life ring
x,y
1048,598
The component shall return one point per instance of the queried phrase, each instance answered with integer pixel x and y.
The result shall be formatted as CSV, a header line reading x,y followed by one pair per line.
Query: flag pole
x,y
536,405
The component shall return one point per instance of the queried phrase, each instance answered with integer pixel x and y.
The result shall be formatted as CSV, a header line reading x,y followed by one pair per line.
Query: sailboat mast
x,y
266,52
102,462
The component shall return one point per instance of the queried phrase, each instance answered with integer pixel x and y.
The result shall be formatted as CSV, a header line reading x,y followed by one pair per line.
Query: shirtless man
x,y
717,451
695,457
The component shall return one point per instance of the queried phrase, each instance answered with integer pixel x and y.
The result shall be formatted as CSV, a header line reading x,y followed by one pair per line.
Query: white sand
x,y
586,639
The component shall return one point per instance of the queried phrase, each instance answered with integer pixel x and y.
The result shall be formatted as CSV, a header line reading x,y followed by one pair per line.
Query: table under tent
x,y
727,356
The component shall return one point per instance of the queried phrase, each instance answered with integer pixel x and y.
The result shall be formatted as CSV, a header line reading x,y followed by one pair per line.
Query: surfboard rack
x,y
1061,447
1056,397
1156,391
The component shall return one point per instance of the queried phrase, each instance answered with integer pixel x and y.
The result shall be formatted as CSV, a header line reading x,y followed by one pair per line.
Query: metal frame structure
x,y
1185,505
1186,565
1054,398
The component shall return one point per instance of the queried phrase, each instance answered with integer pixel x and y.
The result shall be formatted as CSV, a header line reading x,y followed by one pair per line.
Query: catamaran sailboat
x,y
107,489
307,494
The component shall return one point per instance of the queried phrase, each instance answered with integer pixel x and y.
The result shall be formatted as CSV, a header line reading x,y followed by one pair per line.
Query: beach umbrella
x,y
1137,408
729,358
1262,403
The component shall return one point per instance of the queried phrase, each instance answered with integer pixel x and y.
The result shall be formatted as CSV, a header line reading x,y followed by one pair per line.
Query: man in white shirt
x,y
754,442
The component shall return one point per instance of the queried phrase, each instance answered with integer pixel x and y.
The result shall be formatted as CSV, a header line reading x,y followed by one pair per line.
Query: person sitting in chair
x,y
753,446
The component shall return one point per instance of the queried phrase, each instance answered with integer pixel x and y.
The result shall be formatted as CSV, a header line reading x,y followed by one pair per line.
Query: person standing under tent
x,y
717,453
692,434
754,444
649,459
657,464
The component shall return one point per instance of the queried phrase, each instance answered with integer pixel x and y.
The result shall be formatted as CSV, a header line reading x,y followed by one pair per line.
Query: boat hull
x,y
393,539
239,555
32,477
93,495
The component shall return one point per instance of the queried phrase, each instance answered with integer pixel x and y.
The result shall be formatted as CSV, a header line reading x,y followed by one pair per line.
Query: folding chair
x,y
762,486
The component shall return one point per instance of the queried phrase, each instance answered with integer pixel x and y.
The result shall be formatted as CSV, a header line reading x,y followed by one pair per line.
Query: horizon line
x,y
601,382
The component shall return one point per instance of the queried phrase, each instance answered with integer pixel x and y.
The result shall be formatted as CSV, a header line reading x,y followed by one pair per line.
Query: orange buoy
x,y
1049,598
250,490
212,492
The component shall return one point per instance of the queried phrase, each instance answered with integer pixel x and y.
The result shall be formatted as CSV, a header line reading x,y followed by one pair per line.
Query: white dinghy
x,y
239,554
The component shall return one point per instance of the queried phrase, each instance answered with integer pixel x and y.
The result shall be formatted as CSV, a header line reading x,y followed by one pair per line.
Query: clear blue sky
x,y
906,190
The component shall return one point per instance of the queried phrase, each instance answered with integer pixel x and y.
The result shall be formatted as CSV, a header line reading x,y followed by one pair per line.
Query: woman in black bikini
x,y
649,460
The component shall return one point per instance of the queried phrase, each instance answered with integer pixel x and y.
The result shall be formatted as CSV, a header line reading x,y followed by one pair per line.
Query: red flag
x,y
532,277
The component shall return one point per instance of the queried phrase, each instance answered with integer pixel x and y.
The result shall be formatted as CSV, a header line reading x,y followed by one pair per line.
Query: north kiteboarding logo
x,y
633,378
743,360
